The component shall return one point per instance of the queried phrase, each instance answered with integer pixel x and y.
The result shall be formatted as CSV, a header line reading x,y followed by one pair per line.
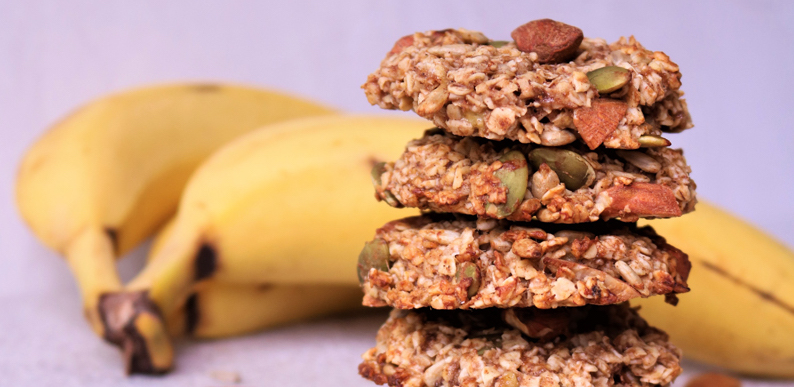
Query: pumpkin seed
x,y
571,168
608,79
469,270
374,255
514,175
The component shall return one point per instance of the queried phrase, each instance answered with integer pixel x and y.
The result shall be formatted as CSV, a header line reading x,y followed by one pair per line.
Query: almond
x,y
712,379
640,200
597,122
553,41
401,44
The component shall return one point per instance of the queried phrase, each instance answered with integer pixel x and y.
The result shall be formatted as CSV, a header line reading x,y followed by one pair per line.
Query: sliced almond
x,y
641,200
597,122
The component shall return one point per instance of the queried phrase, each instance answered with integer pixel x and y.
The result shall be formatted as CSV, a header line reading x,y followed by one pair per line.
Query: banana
x,y
103,179
217,310
288,204
740,313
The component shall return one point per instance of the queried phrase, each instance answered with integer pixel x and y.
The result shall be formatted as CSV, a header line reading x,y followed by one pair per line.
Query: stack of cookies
x,y
547,150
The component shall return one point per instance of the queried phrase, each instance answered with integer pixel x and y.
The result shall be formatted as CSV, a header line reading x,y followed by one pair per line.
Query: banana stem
x,y
92,260
134,323
133,317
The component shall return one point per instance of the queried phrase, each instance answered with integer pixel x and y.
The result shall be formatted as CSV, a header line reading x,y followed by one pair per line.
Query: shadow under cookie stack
x,y
547,151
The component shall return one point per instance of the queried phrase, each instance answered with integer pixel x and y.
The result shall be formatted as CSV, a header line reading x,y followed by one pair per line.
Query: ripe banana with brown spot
x,y
740,312
215,309
288,204
104,178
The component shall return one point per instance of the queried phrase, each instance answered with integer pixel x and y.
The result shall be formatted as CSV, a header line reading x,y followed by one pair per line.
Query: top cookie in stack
x,y
592,112
550,87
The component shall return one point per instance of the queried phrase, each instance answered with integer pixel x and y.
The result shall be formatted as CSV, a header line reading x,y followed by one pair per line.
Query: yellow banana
x,y
103,179
740,312
288,204
218,310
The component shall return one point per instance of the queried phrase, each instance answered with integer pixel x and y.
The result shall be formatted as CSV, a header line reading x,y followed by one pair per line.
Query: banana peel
x,y
740,312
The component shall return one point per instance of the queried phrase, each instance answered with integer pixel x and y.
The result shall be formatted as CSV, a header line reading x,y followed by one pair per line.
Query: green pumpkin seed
x,y
608,79
651,141
391,200
374,255
514,175
571,168
498,43
469,270
377,171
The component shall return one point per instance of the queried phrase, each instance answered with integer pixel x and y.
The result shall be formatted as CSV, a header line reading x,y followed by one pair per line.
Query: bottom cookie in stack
x,y
584,346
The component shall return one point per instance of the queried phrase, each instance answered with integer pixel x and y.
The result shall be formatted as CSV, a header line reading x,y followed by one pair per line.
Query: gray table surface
x,y
735,56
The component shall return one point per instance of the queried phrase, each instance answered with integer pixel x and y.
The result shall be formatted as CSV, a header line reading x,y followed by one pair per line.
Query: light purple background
x,y
736,57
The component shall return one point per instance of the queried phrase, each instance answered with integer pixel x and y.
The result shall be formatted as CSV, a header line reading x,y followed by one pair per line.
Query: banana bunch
x,y
105,178
741,314
285,205
266,226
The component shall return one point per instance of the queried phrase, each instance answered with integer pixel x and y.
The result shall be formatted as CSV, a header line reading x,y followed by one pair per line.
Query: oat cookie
x,y
455,262
589,346
618,95
506,179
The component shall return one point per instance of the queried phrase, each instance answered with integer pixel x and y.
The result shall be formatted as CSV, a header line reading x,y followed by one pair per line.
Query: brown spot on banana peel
x,y
206,262
206,87
738,281
113,235
192,314
264,287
